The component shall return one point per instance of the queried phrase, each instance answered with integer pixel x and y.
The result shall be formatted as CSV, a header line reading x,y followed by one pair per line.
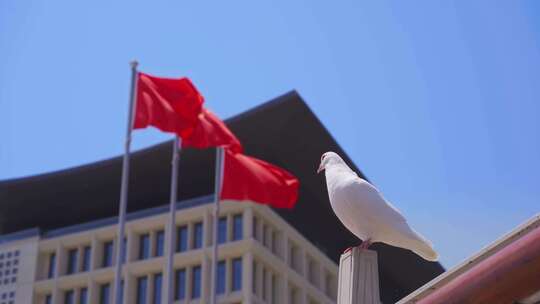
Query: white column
x,y
94,254
247,275
247,218
205,279
358,277
93,292
207,228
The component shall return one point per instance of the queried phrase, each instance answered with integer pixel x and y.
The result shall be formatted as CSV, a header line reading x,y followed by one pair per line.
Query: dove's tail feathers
x,y
427,252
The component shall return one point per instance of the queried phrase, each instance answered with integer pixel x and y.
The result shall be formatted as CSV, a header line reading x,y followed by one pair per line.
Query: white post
x,y
124,185
358,277
220,164
172,219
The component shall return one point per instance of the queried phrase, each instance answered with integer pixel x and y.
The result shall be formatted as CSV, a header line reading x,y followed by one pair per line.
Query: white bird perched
x,y
364,211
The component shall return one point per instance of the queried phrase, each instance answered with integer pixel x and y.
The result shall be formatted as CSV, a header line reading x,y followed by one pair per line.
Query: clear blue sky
x,y
436,101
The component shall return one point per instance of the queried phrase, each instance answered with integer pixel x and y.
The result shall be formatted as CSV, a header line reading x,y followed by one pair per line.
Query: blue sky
x,y
436,101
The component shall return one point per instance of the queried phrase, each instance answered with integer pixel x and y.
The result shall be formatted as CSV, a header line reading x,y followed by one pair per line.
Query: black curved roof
x,y
283,131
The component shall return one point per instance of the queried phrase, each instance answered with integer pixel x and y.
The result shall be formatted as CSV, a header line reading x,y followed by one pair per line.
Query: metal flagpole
x,y
124,186
220,164
172,218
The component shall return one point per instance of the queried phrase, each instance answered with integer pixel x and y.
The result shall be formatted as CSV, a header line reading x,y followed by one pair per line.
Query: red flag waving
x,y
210,131
171,105
248,178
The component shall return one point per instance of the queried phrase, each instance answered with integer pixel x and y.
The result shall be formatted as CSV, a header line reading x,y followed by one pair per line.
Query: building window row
x,y
268,236
7,297
185,241
9,268
181,283
69,296
298,260
148,245
269,287
230,228
151,244
229,276
266,283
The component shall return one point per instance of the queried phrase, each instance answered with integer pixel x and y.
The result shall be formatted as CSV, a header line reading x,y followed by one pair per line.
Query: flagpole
x,y
124,186
172,218
220,157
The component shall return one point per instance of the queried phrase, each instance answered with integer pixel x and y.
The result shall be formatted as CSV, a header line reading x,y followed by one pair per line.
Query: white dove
x,y
364,211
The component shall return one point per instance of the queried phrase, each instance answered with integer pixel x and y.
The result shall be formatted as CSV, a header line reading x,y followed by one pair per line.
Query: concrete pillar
x,y
259,280
152,248
247,224
207,228
228,275
130,288
247,275
190,236
132,246
229,224
93,291
269,287
61,261
284,290
95,254
358,277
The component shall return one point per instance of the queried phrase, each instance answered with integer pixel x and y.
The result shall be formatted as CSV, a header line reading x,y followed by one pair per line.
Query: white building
x,y
262,260
288,269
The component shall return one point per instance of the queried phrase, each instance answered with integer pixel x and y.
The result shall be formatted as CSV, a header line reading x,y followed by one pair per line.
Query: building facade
x,y
262,259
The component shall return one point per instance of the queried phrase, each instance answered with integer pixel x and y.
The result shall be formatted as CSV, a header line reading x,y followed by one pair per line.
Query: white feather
x,y
364,211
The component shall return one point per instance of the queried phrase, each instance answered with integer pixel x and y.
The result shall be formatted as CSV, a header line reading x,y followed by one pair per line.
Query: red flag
x,y
171,105
210,131
248,178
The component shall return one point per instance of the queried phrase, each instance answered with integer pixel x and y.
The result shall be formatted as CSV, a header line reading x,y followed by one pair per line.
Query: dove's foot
x,y
365,244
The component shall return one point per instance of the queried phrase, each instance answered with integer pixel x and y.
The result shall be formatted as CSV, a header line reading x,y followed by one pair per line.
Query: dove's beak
x,y
321,168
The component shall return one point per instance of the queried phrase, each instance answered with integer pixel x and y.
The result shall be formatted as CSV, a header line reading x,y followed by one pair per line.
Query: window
x,y
294,295
52,264
160,241
83,296
48,299
312,271
220,279
197,236
72,261
222,230
105,294
180,290
237,274
86,258
237,227
158,281
263,283
69,297
107,254
196,282
121,291
274,289
182,241
275,243
144,246
142,283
